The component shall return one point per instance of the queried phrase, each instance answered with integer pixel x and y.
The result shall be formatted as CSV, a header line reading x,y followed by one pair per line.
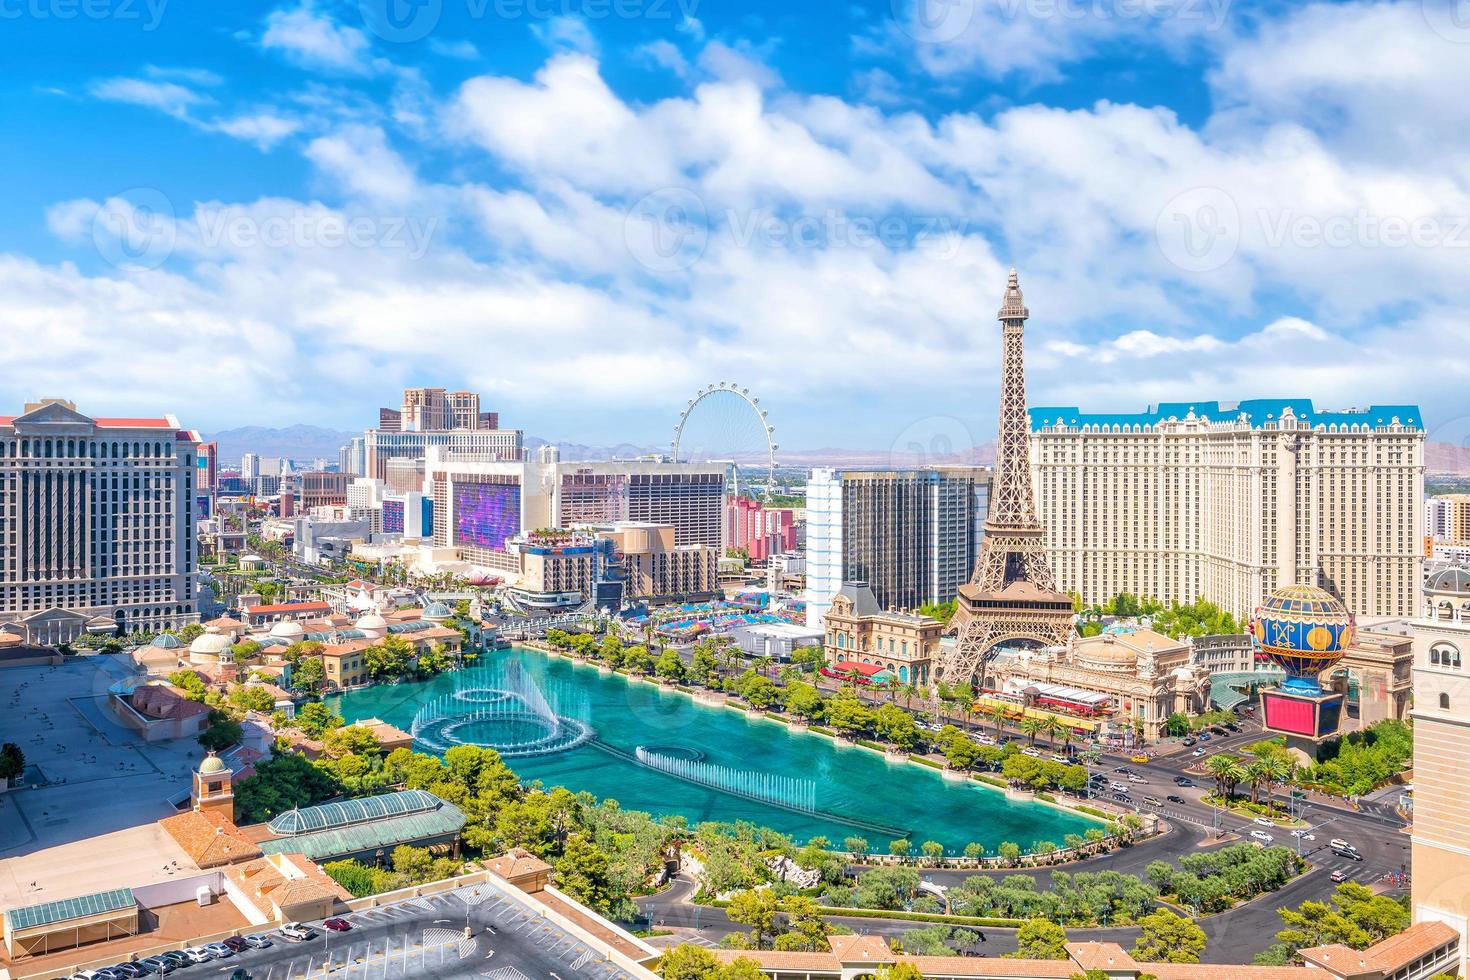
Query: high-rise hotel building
x,y
912,535
1228,502
481,502
96,523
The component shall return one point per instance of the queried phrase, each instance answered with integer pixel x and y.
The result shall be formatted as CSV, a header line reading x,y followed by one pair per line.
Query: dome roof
x,y
211,642
1450,580
288,629
371,621
212,763
437,610
167,641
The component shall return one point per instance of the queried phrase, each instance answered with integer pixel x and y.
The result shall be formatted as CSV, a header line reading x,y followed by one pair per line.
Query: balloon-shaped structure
x,y
1304,630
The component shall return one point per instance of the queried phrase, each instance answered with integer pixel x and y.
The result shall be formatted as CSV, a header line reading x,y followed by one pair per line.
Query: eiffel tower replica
x,y
1012,595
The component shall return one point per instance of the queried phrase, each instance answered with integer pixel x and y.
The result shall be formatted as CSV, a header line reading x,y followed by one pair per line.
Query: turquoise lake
x,y
828,789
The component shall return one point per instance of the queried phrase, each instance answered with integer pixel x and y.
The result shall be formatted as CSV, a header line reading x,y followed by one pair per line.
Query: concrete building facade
x,y
1230,502
911,535
96,523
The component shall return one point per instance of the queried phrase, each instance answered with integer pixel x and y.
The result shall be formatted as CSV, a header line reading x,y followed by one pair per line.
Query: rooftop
x,y
114,900
1257,412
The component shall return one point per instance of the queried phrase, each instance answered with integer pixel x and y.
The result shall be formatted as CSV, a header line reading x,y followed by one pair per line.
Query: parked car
x,y
220,950
259,941
1174,799
129,970
198,954
159,965
239,973
1338,877
177,958
296,932
235,943
1262,836
337,925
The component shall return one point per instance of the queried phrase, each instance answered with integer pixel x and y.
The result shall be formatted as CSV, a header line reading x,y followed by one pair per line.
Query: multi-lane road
x,y
1234,936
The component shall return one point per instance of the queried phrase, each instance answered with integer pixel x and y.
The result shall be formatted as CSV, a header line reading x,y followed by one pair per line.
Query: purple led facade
x,y
392,517
485,514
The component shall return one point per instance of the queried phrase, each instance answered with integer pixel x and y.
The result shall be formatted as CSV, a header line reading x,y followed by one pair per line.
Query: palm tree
x,y
1227,772
1255,774
997,713
1031,727
1054,727
1275,769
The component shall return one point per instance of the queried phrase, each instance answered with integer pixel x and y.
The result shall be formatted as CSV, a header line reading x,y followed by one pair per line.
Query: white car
x,y
1058,757
295,931
1262,836
984,739
1119,787
198,954
1032,752
1262,821
1304,834
1199,752
1135,778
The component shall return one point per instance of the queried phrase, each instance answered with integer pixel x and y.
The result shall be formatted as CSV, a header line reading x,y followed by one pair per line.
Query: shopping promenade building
x,y
911,535
1231,501
96,523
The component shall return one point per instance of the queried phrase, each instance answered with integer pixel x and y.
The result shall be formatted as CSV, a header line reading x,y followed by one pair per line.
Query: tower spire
x,y
1012,596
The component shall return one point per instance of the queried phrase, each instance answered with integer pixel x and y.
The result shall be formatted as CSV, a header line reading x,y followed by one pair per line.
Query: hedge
x,y
925,762
1094,812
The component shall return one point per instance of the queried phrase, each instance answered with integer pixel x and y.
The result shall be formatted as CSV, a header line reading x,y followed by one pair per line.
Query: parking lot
x,y
426,937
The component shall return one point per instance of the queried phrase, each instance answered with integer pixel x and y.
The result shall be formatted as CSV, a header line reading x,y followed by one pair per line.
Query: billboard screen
x,y
485,514
392,516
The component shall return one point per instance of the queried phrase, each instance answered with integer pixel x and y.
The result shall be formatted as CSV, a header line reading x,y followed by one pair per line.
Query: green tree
x,y
848,715
281,782
251,698
857,847
756,908
1168,938
1010,852
1040,939
806,931
900,847
307,674
686,962
223,732
350,740
1227,772
671,666
356,878
582,872
928,941
190,683
974,850
803,699
932,851
316,719
899,971
742,968
896,725
12,761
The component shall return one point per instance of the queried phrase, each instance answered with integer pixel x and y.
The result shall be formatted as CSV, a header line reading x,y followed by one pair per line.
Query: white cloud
x,y
359,159
315,40
194,76
462,49
664,55
565,33
265,129
166,97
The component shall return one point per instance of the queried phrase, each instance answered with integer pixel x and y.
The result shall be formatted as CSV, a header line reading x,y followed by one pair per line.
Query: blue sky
x,y
277,213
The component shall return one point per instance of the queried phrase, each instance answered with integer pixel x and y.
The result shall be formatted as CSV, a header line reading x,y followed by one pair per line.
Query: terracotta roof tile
x,y
209,838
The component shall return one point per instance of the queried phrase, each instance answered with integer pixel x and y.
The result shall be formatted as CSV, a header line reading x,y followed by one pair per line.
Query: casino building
x,y
96,524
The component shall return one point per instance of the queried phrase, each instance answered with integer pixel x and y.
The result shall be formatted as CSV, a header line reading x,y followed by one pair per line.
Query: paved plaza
x,y
98,780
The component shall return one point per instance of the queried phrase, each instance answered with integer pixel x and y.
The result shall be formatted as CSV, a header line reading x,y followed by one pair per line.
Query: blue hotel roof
x,y
1258,411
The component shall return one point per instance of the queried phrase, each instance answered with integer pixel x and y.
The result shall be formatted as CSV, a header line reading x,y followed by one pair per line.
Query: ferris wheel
x,y
724,423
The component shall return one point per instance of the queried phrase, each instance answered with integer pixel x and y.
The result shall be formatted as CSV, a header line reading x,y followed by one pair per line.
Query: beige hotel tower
x,y
1441,835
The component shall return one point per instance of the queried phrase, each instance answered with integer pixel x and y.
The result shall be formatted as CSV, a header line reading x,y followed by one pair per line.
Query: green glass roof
x,y
445,820
117,900
329,816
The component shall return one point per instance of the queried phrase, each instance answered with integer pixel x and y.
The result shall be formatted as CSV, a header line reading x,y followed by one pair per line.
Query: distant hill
x,y
299,442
